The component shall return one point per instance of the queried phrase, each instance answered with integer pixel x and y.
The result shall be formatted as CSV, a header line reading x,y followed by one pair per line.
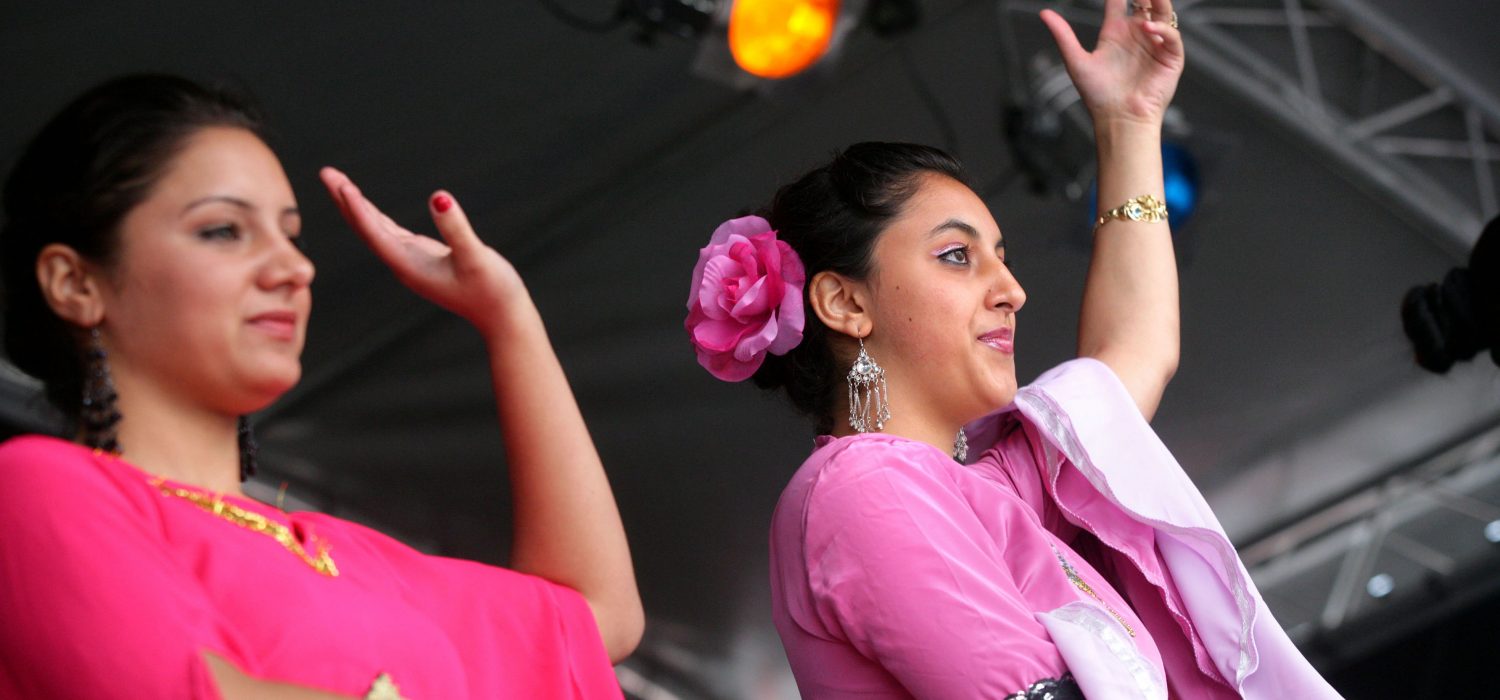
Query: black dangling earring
x,y
98,416
248,448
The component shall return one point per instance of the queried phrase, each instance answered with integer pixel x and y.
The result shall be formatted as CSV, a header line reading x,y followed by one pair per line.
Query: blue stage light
x,y
1180,170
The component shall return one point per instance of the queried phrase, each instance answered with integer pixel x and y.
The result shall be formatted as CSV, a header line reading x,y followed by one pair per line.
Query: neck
x,y
187,443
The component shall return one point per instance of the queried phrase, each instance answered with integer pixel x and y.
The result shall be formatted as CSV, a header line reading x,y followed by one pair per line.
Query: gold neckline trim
x,y
322,562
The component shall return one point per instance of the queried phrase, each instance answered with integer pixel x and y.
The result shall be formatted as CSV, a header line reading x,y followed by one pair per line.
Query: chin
x,y
264,390
1000,397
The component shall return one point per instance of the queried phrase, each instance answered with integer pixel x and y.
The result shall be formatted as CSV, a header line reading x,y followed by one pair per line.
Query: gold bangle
x,y
1145,208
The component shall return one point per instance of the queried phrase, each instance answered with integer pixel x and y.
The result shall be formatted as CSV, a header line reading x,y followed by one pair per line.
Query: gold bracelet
x,y
1144,208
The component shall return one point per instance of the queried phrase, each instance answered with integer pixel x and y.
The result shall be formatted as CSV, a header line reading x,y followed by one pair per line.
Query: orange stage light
x,y
779,38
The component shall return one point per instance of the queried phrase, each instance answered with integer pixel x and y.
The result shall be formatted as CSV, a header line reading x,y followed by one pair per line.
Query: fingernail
x,y
442,203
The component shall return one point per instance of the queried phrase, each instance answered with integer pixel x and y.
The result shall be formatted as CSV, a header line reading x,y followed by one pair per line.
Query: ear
x,y
839,303
70,285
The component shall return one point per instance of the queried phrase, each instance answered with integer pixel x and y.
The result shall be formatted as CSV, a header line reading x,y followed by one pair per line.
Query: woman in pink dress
x,y
951,536
154,281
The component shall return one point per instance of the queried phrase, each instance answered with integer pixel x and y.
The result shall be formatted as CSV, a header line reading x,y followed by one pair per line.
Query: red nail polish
x,y
442,203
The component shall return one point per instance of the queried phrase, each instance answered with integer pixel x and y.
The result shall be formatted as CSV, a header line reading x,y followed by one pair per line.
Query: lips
x,y
281,325
1002,339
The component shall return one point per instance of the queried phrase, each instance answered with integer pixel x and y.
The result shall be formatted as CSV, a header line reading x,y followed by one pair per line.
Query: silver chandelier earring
x,y
961,446
869,404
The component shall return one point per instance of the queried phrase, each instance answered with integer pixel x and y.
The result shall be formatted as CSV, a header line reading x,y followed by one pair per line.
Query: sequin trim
x,y
1064,688
1086,588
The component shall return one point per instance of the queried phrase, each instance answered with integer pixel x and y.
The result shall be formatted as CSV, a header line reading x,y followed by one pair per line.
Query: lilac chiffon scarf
x,y
1097,444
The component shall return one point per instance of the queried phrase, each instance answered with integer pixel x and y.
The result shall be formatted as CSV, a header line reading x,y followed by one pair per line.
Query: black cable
x,y
596,26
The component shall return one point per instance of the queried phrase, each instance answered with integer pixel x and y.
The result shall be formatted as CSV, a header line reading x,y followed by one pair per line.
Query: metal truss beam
x,y
1402,149
1409,537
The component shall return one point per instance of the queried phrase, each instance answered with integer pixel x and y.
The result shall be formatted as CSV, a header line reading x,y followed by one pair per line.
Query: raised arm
x,y
567,528
1130,309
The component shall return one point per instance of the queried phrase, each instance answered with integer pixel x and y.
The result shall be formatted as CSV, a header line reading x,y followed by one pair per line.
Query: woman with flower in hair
x,y
951,535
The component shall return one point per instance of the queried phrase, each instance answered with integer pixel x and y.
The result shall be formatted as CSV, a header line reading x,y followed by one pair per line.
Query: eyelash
x,y
1004,260
218,233
215,233
957,249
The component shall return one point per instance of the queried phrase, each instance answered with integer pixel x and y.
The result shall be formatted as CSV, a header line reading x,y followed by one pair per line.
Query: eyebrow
x,y
963,227
236,202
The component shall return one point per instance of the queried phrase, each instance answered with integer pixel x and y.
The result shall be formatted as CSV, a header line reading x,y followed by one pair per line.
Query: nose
x,y
287,266
1005,290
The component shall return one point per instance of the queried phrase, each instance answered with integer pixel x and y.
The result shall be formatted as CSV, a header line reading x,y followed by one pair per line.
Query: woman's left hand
x,y
459,273
1132,72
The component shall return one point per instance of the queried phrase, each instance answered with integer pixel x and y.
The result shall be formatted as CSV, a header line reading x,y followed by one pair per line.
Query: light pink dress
x,y
897,572
111,589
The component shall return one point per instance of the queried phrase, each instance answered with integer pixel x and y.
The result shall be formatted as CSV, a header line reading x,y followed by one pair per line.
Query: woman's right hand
x,y
1133,70
459,273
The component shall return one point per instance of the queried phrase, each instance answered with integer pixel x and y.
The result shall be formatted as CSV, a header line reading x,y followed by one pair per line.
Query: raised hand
x,y
568,529
1133,70
459,273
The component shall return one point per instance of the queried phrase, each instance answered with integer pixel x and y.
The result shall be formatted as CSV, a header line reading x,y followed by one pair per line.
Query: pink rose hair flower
x,y
746,299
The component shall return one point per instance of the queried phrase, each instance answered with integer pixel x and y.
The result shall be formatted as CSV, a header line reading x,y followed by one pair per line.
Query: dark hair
x,y
1456,319
77,179
831,216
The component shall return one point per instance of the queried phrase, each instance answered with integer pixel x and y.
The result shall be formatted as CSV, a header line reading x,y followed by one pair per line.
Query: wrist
x,y
1122,129
507,317
1132,150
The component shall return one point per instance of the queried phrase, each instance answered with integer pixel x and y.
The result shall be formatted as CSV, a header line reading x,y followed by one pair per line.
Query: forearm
x,y
567,526
1130,317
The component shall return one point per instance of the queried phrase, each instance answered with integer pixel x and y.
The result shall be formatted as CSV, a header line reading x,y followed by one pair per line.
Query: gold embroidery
x,y
255,522
384,689
1086,588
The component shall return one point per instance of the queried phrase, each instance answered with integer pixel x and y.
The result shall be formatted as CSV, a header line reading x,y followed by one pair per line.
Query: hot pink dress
x,y
897,572
110,588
